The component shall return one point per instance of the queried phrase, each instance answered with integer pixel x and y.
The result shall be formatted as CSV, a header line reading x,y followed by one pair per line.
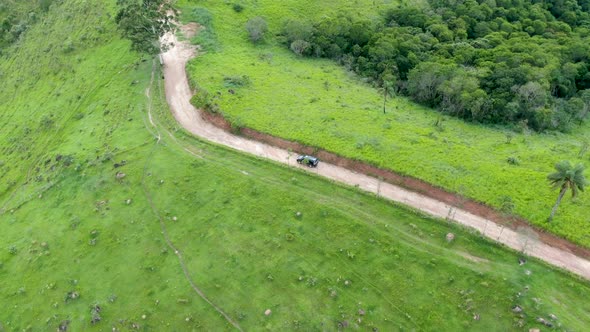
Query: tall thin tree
x,y
566,177
387,84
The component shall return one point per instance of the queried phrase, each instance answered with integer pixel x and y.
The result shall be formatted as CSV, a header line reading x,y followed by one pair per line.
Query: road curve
x,y
178,95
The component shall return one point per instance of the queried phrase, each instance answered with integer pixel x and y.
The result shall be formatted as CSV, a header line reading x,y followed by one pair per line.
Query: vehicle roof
x,y
307,156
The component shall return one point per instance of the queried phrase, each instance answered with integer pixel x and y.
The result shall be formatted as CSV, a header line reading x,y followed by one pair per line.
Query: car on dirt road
x,y
308,160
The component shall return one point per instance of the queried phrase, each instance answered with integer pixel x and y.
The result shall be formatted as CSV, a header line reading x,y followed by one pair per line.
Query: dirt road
x,y
178,95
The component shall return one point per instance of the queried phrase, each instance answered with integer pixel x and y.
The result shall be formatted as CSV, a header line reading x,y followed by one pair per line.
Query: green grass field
x,y
316,102
69,226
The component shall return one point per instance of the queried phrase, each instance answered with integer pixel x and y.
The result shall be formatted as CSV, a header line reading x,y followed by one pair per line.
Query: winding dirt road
x,y
178,95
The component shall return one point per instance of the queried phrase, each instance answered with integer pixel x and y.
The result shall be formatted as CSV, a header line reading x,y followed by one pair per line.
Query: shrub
x,y
513,161
300,47
238,8
295,30
236,81
256,28
203,100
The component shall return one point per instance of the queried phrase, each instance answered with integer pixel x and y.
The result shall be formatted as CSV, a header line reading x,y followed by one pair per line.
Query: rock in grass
x,y
544,322
450,237
267,312
95,314
517,309
343,324
72,296
120,175
63,326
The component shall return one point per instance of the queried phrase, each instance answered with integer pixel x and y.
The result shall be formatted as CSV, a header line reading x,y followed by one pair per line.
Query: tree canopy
x,y
566,177
144,22
518,62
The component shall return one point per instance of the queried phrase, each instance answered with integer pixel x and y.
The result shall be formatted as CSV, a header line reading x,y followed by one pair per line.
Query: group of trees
x,y
517,62
17,16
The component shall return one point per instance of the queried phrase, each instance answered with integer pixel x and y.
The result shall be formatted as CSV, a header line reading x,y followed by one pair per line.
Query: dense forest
x,y
515,62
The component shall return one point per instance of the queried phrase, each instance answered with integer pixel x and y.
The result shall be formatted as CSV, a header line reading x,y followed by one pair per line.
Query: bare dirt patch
x,y
473,258
191,29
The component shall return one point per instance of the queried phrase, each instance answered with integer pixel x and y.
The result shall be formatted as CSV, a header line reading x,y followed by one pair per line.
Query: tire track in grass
x,y
163,228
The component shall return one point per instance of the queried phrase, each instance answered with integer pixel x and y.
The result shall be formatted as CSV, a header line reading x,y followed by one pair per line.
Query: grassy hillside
x,y
77,242
318,103
17,16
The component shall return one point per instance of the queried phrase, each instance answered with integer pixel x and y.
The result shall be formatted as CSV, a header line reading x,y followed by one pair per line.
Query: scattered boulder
x,y
298,214
476,317
553,317
521,261
267,312
95,314
120,175
72,296
63,326
450,237
544,322
534,330
361,312
122,163
517,309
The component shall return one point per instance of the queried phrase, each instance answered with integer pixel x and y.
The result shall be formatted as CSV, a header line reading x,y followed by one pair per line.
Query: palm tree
x,y
566,177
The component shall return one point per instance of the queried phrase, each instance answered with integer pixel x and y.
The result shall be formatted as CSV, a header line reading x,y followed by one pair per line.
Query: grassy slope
x,y
70,229
289,97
